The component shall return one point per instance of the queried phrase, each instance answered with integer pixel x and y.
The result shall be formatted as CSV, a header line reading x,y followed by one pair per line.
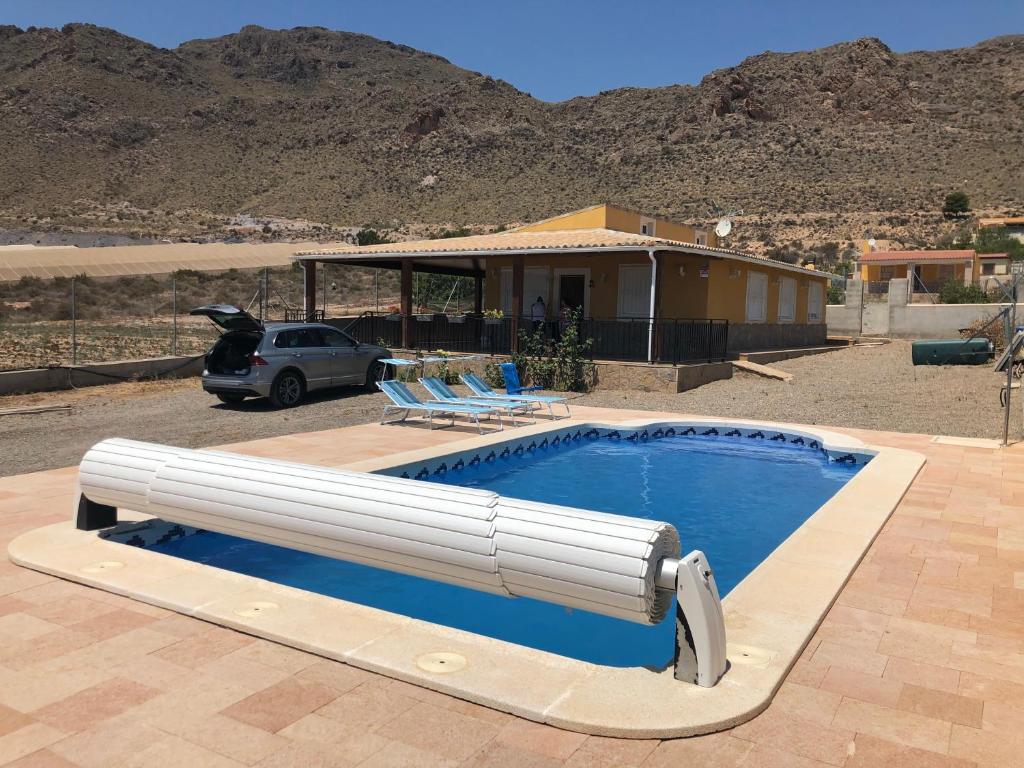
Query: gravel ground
x,y
869,387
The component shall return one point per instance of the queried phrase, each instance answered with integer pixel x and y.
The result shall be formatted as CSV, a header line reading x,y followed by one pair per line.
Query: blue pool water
x,y
733,498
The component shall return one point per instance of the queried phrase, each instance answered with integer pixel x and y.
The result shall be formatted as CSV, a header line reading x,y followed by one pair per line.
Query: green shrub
x,y
836,295
955,292
493,376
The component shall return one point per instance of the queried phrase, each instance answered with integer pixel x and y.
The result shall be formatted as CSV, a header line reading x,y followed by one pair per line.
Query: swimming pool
x,y
734,493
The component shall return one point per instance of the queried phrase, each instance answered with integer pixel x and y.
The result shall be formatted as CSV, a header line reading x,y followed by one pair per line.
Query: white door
x,y
757,297
815,302
506,291
787,299
634,290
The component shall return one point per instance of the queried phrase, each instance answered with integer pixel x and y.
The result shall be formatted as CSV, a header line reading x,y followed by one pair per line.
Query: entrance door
x,y
572,291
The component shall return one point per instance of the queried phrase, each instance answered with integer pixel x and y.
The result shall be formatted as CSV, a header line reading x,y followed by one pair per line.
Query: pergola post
x,y
517,299
478,294
406,303
309,289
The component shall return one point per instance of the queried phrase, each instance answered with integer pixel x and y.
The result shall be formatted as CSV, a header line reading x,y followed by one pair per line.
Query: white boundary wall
x,y
898,319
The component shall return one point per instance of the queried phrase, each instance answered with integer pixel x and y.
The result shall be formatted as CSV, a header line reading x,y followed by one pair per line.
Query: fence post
x,y
74,326
174,317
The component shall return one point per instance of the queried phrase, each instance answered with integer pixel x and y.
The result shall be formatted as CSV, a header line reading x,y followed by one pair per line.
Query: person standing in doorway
x,y
538,312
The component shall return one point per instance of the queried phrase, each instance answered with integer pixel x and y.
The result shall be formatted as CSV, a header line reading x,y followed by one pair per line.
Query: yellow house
x,y
645,287
927,270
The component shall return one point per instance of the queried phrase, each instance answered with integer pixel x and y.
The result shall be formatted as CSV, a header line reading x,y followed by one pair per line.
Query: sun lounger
x,y
443,393
405,401
484,392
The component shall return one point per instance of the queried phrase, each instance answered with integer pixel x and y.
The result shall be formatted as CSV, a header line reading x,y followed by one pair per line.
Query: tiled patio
x,y
920,662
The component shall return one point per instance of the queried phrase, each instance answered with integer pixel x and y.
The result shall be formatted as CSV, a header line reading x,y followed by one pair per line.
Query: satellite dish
x,y
723,227
872,243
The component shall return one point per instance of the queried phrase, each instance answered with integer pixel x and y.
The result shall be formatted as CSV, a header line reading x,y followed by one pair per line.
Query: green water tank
x,y
951,352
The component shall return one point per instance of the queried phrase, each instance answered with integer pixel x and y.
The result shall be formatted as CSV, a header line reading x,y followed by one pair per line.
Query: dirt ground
x,y
869,387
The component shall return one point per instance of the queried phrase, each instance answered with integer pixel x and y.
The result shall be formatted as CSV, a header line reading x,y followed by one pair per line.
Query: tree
x,y
370,236
991,240
957,204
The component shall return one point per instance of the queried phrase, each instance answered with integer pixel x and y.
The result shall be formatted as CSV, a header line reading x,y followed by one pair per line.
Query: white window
x,y
815,301
787,299
634,290
646,226
757,297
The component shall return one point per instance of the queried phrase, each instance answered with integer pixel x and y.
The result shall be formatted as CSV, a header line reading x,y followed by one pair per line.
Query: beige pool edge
x,y
770,615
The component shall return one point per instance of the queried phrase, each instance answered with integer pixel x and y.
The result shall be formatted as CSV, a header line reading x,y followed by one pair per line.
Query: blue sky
x,y
556,49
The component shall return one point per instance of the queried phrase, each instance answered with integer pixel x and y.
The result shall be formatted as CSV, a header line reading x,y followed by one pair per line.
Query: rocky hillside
x,y
336,127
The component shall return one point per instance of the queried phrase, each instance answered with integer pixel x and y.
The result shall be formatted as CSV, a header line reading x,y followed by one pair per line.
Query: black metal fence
x,y
627,339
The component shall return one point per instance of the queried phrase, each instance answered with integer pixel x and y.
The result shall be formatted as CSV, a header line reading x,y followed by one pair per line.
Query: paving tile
x,y
399,755
11,720
540,738
174,752
225,736
717,750
280,705
927,675
367,706
858,659
43,758
983,748
196,650
941,705
69,610
297,755
906,728
600,750
807,702
782,731
769,757
457,737
91,706
857,685
26,740
357,744
871,752
496,755
334,674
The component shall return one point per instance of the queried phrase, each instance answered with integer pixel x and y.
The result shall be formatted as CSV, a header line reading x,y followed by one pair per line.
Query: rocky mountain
x,y
343,128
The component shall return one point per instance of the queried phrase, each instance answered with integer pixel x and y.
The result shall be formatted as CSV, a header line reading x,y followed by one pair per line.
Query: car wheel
x,y
230,398
376,371
287,390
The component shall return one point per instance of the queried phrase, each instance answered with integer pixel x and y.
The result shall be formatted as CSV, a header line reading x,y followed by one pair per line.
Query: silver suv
x,y
283,361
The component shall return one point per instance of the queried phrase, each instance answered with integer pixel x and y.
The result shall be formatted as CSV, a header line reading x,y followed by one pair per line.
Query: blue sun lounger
x,y
484,392
443,393
405,401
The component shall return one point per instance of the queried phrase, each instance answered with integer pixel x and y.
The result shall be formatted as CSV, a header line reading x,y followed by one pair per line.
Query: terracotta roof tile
x,y
902,257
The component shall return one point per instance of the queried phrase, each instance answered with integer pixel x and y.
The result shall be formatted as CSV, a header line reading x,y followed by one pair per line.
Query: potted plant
x,y
394,313
493,317
424,315
457,318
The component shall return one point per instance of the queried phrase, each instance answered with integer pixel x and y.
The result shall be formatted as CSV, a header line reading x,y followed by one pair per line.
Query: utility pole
x,y
174,313
1016,272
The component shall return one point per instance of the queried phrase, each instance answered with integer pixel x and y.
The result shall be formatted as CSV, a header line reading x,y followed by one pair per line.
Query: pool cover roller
x,y
607,564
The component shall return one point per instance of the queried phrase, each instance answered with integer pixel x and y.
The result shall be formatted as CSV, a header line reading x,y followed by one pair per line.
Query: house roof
x,y
517,242
903,257
993,256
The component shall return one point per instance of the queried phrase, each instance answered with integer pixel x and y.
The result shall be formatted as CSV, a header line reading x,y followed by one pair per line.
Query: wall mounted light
x,y
682,270
734,272
591,283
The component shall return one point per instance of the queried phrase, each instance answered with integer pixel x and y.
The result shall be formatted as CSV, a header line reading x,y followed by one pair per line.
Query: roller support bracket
x,y
700,656
90,516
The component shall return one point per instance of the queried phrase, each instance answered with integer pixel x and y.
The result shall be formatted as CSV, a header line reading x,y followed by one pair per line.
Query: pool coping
x,y
770,615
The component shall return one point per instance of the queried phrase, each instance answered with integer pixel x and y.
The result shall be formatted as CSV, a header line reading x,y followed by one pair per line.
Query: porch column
x,y
478,294
517,298
911,282
653,305
406,303
309,289
968,272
